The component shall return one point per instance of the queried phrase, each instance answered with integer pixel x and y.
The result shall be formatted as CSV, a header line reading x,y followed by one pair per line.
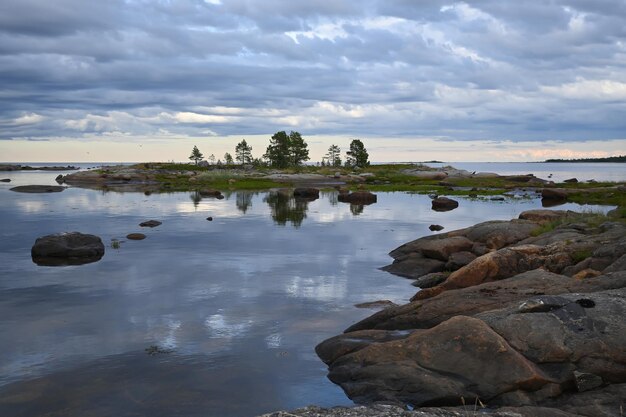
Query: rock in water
x,y
444,204
435,227
5,180
71,248
150,223
38,189
308,193
358,197
136,236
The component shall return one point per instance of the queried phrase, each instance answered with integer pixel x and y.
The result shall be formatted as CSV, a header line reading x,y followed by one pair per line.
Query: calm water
x,y
240,301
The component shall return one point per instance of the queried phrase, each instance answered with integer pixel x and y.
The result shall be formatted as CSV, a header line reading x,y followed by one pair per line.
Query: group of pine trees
x,y
289,150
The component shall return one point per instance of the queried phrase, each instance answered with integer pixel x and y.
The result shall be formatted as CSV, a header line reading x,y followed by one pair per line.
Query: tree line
x,y
288,150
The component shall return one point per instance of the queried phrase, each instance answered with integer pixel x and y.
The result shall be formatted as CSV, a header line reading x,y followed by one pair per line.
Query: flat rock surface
x,y
73,248
38,189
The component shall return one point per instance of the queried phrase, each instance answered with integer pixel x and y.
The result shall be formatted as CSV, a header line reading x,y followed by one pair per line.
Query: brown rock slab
x,y
444,204
150,223
72,248
358,197
38,189
135,236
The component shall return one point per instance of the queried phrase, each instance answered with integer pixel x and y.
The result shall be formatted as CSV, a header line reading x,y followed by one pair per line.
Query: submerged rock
x,y
38,189
135,236
150,223
71,248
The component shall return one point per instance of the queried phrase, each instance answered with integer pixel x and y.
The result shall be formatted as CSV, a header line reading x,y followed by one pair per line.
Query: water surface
x,y
238,302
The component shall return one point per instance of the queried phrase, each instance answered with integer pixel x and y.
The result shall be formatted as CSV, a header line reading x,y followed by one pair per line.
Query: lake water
x,y
239,303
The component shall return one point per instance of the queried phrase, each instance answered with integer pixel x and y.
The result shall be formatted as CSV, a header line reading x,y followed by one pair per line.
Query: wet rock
x,y
308,193
59,178
435,227
38,189
150,223
72,248
571,180
210,218
414,266
210,193
5,180
135,236
358,197
376,304
430,280
444,204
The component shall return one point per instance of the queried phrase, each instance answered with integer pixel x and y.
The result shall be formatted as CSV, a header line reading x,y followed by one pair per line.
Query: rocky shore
x,y
526,314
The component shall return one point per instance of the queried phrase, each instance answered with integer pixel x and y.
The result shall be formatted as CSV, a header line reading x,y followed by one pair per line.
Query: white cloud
x,y
28,119
596,90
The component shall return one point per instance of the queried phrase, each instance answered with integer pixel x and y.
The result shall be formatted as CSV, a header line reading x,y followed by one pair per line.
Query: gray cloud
x,y
477,70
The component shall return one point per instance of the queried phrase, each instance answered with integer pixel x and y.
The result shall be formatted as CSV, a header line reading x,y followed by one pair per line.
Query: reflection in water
x,y
356,209
286,208
243,200
195,198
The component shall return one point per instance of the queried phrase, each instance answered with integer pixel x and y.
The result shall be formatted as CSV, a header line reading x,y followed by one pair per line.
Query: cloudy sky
x,y
129,80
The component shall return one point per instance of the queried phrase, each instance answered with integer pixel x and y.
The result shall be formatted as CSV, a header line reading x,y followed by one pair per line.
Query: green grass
x,y
589,218
580,255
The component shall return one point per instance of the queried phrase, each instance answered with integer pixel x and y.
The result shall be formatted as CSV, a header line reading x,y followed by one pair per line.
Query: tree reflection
x,y
195,198
285,208
243,200
356,209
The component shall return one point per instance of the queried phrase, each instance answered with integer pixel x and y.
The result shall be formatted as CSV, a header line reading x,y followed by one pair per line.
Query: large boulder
x,y
414,266
71,248
208,192
444,204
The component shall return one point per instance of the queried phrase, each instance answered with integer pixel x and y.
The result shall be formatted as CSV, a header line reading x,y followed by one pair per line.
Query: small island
x,y
620,158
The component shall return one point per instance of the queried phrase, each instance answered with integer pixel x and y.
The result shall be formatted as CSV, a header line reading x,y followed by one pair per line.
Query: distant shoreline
x,y
621,158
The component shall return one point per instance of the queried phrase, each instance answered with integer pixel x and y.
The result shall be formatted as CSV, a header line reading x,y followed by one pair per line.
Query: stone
x,y
586,381
414,266
444,204
543,216
461,357
308,193
59,178
426,175
5,180
459,259
210,218
376,304
358,197
72,248
430,280
571,180
203,164
150,223
207,192
435,227
497,234
135,236
38,189
553,194
426,313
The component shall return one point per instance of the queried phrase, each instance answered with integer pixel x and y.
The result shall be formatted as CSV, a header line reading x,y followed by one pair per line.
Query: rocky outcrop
x,y
535,323
71,248
38,189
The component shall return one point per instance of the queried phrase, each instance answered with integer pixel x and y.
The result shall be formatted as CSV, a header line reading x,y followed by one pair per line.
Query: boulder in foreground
x,y
71,248
444,204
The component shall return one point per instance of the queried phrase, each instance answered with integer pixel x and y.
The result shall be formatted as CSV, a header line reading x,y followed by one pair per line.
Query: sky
x,y
138,80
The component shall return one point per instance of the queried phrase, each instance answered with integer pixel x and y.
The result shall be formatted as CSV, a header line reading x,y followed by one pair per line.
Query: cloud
x,y
487,70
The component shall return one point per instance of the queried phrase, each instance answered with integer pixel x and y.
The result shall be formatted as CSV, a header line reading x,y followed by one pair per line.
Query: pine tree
x,y
297,149
196,155
243,152
277,152
334,156
357,156
228,159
